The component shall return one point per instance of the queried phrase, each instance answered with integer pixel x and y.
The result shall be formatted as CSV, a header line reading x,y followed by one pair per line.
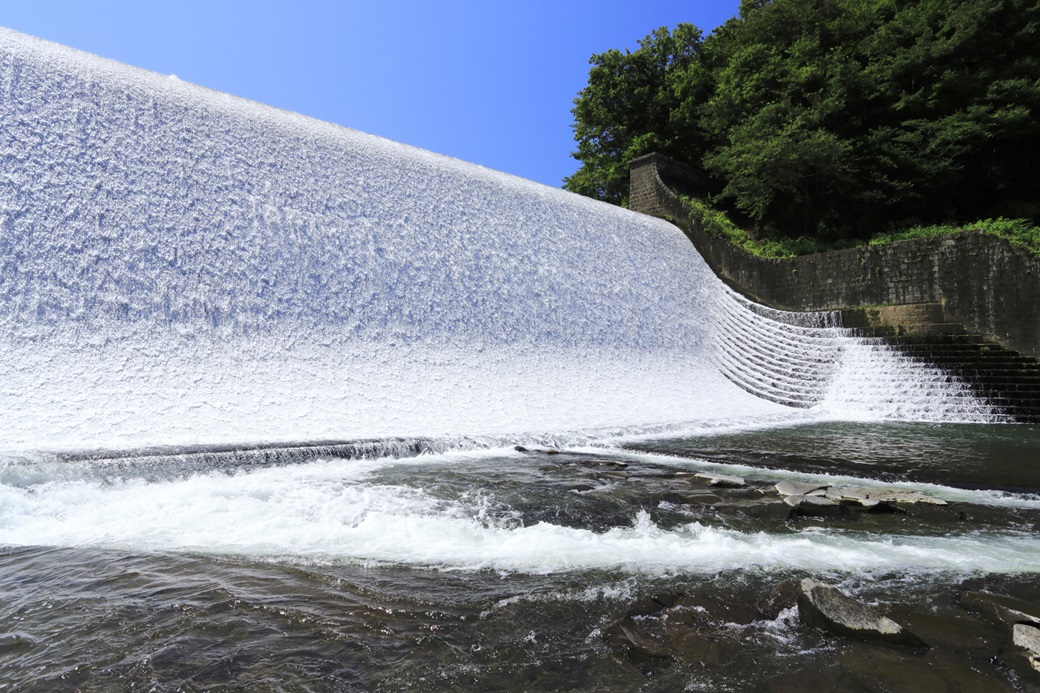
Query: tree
x,y
627,110
831,118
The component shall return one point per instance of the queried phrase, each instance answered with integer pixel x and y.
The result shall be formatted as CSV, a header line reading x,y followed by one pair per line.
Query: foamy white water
x,y
335,511
184,267
179,267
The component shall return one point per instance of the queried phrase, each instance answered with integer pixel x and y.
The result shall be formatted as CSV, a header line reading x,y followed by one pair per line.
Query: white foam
x,y
336,512
182,267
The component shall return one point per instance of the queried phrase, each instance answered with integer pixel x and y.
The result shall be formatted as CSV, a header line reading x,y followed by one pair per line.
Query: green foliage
x,y
718,223
630,108
1019,232
833,119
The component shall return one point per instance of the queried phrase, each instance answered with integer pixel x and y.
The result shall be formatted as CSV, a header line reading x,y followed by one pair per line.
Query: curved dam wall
x,y
980,281
182,267
182,270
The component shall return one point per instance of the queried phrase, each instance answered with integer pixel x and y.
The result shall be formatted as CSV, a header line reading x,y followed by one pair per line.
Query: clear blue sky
x,y
489,82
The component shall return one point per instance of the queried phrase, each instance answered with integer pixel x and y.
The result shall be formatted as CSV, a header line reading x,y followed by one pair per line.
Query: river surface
x,y
513,570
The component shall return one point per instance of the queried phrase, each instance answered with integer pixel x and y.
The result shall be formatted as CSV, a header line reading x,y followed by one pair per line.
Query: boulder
x,y
1000,609
640,640
1028,638
828,608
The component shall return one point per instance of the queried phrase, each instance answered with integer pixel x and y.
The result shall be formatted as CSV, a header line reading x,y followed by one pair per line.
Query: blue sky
x,y
488,82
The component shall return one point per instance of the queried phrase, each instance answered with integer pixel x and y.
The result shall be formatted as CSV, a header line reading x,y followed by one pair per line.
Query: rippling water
x,y
499,569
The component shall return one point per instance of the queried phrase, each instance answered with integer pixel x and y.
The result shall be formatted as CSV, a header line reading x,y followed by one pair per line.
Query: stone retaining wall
x,y
980,281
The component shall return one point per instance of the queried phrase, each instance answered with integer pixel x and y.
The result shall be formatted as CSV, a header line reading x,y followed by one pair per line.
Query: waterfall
x,y
182,267
809,360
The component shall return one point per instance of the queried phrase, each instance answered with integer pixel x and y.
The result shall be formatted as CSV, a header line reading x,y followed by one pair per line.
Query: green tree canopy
x,y
630,108
831,118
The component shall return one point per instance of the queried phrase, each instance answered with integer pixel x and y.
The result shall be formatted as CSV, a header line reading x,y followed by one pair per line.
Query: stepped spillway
x,y
183,267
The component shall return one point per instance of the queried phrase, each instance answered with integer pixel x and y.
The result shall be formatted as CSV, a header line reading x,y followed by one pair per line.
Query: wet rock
x,y
684,628
639,638
599,462
817,501
694,498
699,629
1028,638
837,493
720,479
815,506
1001,609
795,488
692,609
795,493
866,495
940,625
828,608
611,475
783,596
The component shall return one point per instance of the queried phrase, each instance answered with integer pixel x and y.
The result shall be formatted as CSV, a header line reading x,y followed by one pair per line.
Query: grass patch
x,y
1019,232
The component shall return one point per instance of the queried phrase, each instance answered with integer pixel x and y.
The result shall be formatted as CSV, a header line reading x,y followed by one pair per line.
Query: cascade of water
x,y
808,360
789,358
179,267
877,382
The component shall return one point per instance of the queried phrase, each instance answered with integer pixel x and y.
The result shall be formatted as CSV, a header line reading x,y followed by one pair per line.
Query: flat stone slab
x,y
828,608
798,488
867,494
808,500
719,479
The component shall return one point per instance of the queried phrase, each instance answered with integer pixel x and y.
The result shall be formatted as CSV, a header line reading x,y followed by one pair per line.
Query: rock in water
x,y
1001,609
795,488
827,607
1028,637
720,479
799,501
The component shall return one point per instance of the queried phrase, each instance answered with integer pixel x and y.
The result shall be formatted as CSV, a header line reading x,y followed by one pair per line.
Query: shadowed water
x,y
502,570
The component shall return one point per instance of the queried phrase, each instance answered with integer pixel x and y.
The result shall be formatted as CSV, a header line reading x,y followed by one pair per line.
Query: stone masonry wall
x,y
980,281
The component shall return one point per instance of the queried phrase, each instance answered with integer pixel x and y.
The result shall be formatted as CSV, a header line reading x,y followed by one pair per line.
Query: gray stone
x,y
827,607
1028,638
720,479
796,488
814,501
870,496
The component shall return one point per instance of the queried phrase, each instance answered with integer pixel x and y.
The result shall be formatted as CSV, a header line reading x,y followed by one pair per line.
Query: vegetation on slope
x,y
832,120
1019,232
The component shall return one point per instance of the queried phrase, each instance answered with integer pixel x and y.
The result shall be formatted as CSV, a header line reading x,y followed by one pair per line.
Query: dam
x,y
186,268
271,385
